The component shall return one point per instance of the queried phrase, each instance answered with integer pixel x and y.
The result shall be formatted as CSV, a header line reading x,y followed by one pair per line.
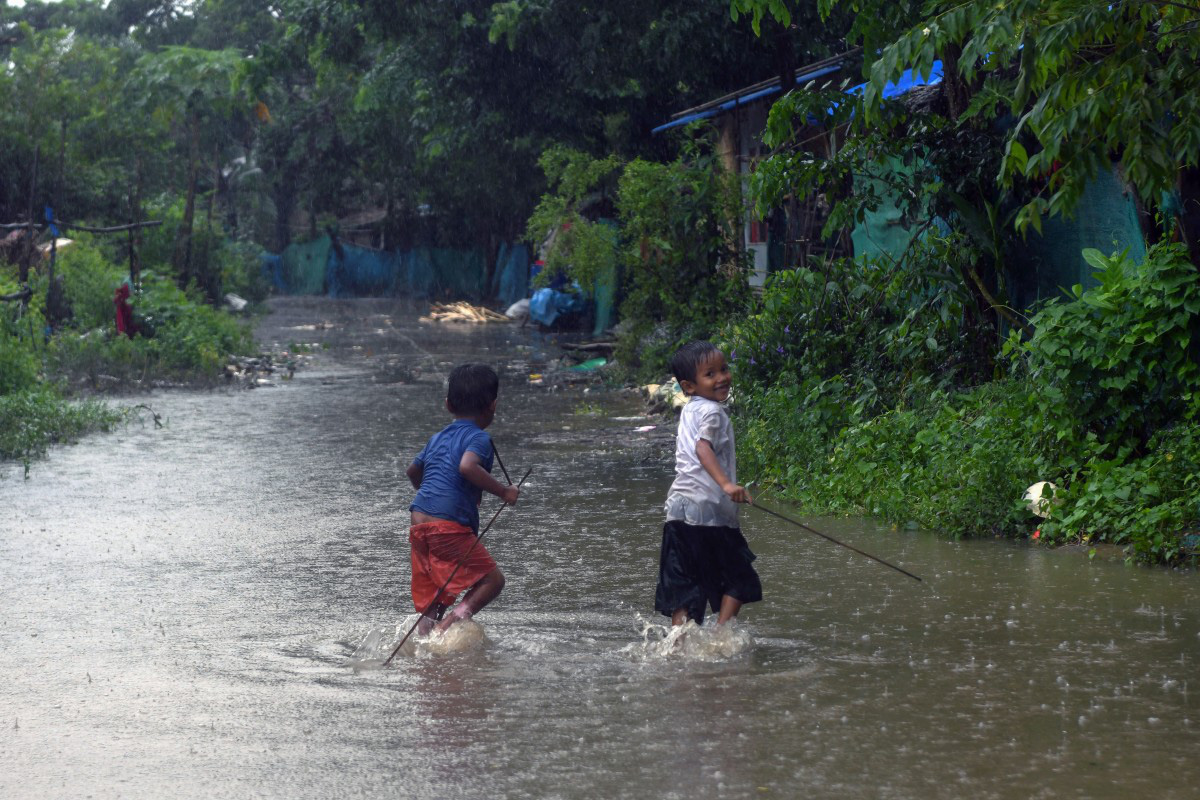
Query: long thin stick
x,y
830,538
454,572
496,453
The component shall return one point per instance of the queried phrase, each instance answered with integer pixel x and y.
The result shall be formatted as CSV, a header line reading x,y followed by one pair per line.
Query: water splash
x,y
689,641
378,643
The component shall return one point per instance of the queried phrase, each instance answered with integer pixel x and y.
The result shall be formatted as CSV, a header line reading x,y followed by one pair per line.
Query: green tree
x,y
1087,82
190,91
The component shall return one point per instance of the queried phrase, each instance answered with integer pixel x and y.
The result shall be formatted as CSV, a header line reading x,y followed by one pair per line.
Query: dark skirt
x,y
699,564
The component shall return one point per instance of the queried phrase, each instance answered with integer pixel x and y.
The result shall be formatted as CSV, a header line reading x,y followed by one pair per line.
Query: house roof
x,y
822,69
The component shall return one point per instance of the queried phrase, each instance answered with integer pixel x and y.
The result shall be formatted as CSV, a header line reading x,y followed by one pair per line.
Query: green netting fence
x,y
1039,266
345,270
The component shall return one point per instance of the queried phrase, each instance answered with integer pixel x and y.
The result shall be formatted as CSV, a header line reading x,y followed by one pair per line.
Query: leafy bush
x,y
33,419
90,280
681,272
787,431
18,363
681,223
241,272
887,335
1119,362
1146,504
183,339
218,263
959,464
956,464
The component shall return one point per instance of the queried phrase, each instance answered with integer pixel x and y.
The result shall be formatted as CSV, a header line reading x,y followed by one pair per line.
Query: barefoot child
x,y
704,560
450,475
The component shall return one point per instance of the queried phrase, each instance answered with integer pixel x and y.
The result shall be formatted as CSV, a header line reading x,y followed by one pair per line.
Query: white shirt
x,y
695,498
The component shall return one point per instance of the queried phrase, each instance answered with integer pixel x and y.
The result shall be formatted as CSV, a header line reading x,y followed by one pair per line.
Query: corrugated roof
x,y
821,69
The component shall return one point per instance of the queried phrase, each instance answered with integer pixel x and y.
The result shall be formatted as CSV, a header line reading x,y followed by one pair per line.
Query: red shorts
x,y
438,548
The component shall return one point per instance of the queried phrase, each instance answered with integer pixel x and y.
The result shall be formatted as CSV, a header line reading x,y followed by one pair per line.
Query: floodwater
x,y
182,607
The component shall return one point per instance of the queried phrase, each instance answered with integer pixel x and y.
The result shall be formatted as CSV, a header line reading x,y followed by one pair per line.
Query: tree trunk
x,y
28,251
285,202
958,94
783,56
1189,215
183,245
210,278
135,237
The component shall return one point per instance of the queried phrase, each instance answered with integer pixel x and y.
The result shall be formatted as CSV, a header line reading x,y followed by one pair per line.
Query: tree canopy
x,y
298,112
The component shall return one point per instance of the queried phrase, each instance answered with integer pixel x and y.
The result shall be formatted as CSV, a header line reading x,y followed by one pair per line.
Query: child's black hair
x,y
688,359
472,388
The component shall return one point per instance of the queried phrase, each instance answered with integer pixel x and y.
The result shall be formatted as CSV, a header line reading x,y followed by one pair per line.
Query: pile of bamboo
x,y
462,312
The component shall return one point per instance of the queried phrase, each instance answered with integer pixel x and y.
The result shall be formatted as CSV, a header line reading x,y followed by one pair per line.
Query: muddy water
x,y
181,607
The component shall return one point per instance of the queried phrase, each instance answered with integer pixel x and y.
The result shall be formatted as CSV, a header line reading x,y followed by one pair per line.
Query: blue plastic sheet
x,y
547,305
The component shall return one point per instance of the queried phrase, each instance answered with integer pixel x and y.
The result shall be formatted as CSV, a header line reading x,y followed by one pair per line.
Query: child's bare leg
x,y
680,616
427,621
486,590
729,609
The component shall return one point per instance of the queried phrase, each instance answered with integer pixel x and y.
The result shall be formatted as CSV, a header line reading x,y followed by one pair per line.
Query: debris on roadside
x,y
519,311
257,371
462,312
589,365
583,349
663,397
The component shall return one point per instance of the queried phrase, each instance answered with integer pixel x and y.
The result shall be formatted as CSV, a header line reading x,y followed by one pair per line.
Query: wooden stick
x,y
24,294
150,223
830,538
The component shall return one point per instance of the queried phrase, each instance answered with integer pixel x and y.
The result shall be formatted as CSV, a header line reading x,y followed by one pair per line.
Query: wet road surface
x,y
181,607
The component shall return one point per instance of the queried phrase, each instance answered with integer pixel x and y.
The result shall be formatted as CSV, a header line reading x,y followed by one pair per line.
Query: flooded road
x,y
181,606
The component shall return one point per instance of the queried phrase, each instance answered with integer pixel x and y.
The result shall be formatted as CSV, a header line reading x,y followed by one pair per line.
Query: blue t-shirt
x,y
444,492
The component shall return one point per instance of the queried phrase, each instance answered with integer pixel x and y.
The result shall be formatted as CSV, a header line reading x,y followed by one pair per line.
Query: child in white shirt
x,y
704,560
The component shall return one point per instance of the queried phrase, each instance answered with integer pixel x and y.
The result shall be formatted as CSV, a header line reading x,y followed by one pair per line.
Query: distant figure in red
x,y
125,323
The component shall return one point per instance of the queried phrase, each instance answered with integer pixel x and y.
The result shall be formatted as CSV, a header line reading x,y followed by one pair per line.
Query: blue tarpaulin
x,y
510,282
547,305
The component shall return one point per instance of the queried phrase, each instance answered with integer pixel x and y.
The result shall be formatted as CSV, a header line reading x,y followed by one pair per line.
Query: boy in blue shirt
x,y
450,474
705,560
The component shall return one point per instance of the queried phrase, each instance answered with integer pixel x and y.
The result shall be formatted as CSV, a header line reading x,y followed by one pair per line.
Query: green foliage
x,y
786,429
580,247
90,280
1118,363
684,272
886,335
959,464
18,362
33,419
194,338
237,263
1096,407
181,338
1145,504
674,246
956,463
1074,72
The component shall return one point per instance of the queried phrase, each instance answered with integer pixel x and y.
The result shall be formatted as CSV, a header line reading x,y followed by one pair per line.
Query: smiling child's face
x,y
712,379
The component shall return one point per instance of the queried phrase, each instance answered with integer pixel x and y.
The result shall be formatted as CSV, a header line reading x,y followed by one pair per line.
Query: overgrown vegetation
x,y
1096,391
673,243
33,419
853,412
44,369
